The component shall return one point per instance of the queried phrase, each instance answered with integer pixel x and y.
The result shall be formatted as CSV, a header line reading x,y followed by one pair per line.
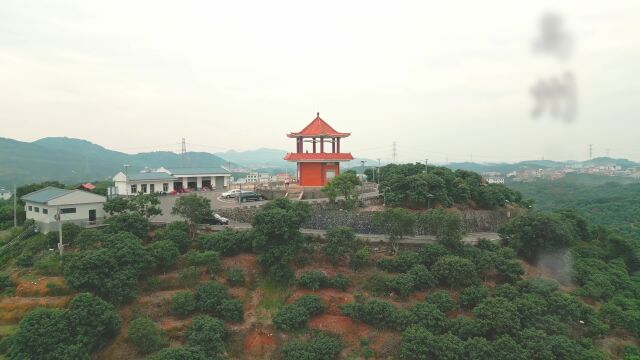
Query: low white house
x,y
76,206
5,194
164,180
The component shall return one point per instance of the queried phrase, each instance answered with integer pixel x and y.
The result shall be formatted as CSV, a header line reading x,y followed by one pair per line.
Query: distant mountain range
x,y
72,161
538,164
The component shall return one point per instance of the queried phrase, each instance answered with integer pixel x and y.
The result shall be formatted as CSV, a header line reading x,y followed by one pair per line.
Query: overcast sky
x,y
442,79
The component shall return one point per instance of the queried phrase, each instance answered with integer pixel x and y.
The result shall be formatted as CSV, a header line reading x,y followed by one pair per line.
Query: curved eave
x,y
336,135
318,157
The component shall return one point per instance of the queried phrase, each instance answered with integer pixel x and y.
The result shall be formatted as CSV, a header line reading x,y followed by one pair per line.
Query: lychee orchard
x,y
317,153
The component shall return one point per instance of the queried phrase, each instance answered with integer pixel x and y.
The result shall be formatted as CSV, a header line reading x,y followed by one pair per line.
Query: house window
x,y
143,188
36,209
30,208
152,188
68,211
134,189
45,211
165,187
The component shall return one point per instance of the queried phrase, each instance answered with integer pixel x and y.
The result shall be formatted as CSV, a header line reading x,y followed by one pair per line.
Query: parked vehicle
x,y
216,220
250,196
231,194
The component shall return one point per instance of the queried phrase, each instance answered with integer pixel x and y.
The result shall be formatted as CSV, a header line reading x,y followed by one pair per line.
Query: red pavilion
x,y
322,163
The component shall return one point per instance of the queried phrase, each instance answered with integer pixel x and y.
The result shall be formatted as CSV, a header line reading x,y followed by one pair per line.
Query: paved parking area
x,y
217,202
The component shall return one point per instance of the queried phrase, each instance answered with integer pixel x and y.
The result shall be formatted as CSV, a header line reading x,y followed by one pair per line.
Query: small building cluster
x,y
175,180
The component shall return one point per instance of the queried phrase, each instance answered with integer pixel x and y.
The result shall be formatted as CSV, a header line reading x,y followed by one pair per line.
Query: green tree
x,y
445,226
208,334
42,334
180,353
454,271
209,297
533,233
500,314
134,223
147,205
472,296
320,346
183,304
277,236
194,209
420,344
145,335
92,321
164,254
396,223
345,185
341,242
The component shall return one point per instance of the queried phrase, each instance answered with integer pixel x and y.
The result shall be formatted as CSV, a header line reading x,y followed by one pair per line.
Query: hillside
x,y
73,160
537,164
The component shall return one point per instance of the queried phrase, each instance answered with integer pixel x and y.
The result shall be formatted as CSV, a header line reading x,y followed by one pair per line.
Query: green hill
x,y
73,160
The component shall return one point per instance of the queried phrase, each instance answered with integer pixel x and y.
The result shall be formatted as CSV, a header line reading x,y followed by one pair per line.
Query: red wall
x,y
315,173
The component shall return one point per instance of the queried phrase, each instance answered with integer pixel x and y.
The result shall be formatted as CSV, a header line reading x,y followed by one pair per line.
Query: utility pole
x,y
126,175
394,154
59,218
15,208
362,162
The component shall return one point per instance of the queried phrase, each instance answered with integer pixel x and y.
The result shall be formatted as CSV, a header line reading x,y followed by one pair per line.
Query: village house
x,y
164,180
75,206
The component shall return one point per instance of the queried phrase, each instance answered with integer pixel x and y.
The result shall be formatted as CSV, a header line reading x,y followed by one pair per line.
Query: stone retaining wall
x,y
325,216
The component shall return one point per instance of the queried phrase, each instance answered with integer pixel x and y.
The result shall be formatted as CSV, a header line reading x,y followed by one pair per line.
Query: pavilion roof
x,y
318,157
319,128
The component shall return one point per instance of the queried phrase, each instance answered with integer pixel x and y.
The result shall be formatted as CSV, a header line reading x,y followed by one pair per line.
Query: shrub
x,y
235,277
183,303
472,296
401,263
377,283
177,234
312,304
313,280
6,282
133,223
164,253
209,297
341,242
290,317
431,253
180,353
210,259
208,334
360,259
145,335
340,282
55,289
231,310
402,285
428,316
294,316
90,238
93,321
228,242
50,265
422,277
25,260
443,301
454,271
189,276
321,346
377,313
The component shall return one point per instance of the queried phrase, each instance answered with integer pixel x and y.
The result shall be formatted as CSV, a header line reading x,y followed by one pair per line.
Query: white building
x,y
76,206
495,180
5,194
252,178
165,180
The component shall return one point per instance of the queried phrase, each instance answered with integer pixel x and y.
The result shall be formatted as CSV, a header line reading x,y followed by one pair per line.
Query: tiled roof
x,y
318,127
42,196
319,157
199,171
154,175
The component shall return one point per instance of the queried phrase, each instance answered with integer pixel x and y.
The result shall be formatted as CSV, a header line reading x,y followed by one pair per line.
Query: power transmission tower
x,y
590,151
184,147
394,153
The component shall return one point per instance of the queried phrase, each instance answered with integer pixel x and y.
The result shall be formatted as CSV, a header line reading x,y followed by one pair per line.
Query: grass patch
x,y
6,330
274,295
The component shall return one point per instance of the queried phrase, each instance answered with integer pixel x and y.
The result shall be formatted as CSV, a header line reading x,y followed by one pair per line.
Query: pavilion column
x,y
333,145
314,145
322,145
337,145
